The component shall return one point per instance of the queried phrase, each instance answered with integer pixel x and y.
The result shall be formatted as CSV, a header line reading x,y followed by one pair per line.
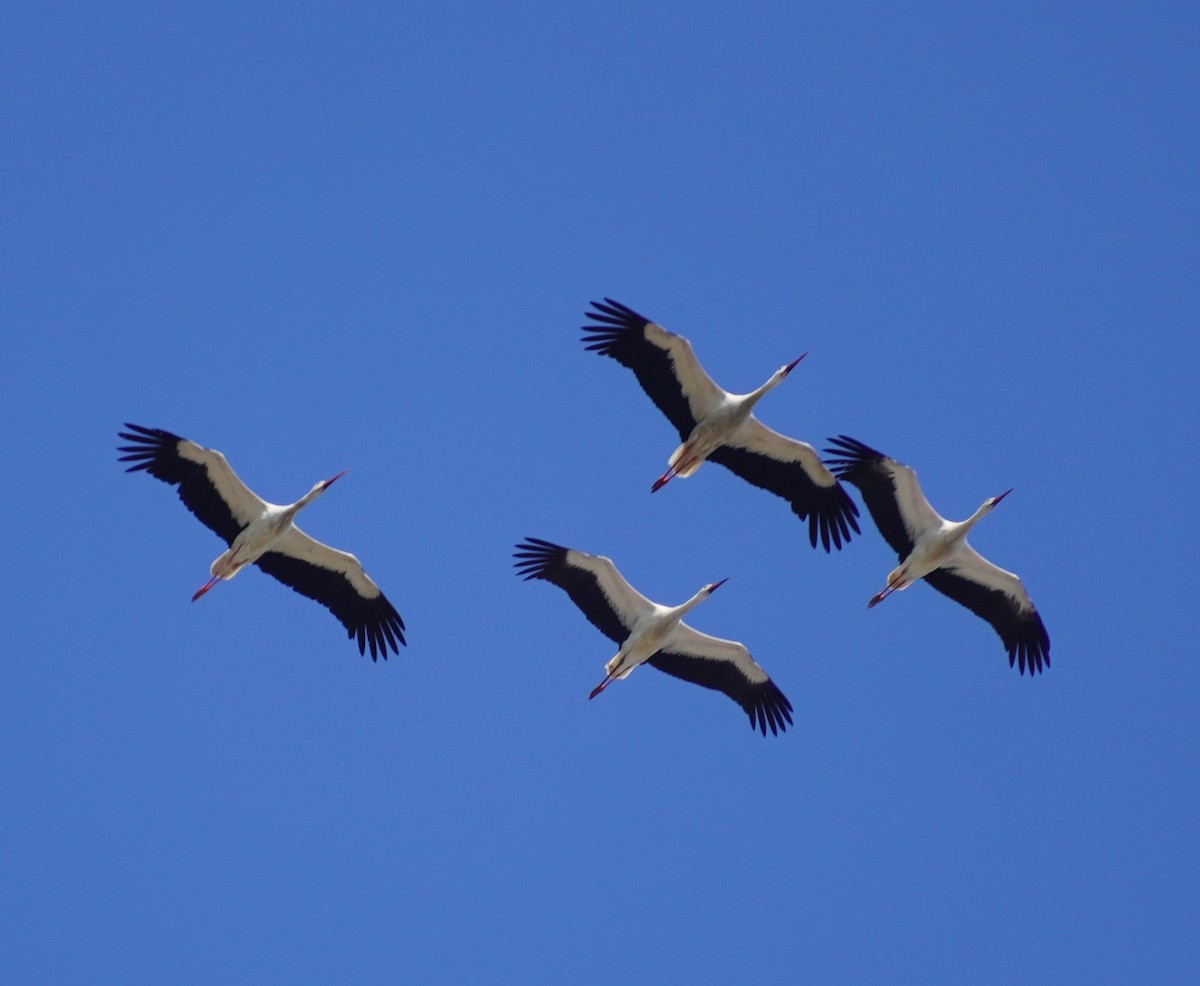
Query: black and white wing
x,y
663,362
208,487
997,596
337,581
610,603
793,470
726,666
889,489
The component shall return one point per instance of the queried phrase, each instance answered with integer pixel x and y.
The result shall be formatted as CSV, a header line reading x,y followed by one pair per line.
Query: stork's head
x,y
712,587
787,368
774,380
322,486
991,502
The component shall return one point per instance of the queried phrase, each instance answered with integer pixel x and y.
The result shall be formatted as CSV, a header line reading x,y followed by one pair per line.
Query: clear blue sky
x,y
363,236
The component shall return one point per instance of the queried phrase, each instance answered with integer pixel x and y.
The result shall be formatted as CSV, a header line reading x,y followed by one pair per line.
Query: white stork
x,y
649,633
936,549
263,534
715,424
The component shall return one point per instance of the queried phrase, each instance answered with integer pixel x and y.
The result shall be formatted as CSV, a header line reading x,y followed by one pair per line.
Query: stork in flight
x,y
715,424
936,549
649,633
264,534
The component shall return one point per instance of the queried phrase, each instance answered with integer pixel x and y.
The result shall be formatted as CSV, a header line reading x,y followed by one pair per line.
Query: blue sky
x,y
363,237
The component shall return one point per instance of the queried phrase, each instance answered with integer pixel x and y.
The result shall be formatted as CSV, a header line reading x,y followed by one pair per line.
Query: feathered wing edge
x,y
157,452
763,702
1020,628
539,559
665,370
373,621
862,466
830,512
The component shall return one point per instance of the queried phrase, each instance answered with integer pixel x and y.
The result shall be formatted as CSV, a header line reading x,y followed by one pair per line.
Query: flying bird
x,y
936,549
264,534
715,424
649,633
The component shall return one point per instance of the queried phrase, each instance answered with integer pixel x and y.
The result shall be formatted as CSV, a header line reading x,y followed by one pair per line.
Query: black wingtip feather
x,y
768,708
611,325
870,471
831,515
620,333
376,627
1021,630
1030,649
373,624
152,450
614,313
848,455
829,511
536,557
763,702
157,452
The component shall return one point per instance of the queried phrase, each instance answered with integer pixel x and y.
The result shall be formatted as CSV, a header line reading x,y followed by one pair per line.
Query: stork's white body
x,y
942,544
249,545
658,628
726,420
258,537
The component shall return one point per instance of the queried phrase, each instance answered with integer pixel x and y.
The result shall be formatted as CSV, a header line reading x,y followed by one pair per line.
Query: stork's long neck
x,y
289,514
776,378
960,532
756,395
682,609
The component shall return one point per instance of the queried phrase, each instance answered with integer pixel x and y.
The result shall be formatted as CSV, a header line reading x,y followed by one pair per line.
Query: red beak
x,y
1002,496
792,365
330,482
